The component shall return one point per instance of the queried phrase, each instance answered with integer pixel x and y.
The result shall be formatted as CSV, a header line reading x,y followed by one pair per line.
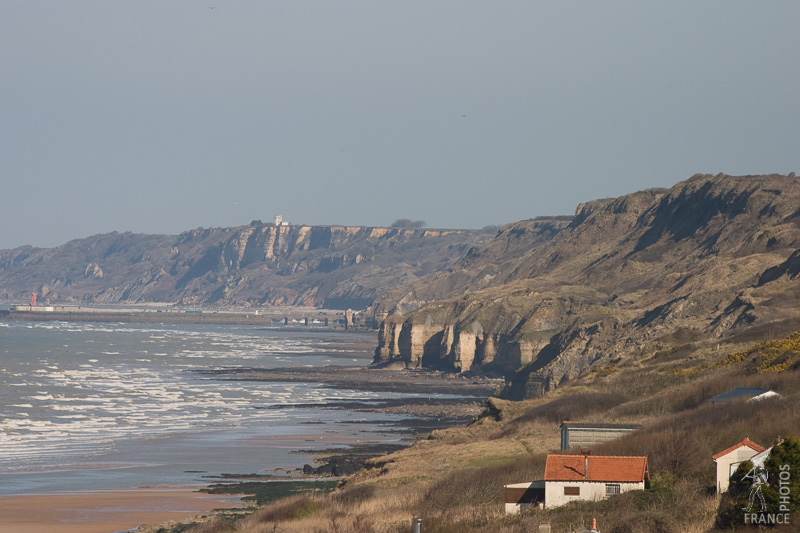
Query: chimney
x,y
586,454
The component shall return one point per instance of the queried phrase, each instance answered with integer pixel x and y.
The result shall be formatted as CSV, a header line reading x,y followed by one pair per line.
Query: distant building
x,y
747,394
585,435
728,460
578,477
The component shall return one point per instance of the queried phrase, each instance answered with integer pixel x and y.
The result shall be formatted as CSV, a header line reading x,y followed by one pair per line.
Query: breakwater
x,y
313,318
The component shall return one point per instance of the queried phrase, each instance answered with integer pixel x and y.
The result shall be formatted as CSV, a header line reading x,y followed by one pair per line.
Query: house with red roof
x,y
579,477
728,460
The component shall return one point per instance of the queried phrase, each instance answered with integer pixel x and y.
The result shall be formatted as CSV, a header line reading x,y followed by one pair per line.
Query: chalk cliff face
x,y
256,265
624,278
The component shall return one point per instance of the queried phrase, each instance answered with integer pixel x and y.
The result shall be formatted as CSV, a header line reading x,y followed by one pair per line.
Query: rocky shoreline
x,y
424,415
332,465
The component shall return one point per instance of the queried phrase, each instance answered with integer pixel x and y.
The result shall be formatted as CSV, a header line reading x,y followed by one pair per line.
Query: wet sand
x,y
104,512
370,379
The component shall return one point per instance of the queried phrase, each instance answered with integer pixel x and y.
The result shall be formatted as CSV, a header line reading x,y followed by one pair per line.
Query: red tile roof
x,y
600,468
746,442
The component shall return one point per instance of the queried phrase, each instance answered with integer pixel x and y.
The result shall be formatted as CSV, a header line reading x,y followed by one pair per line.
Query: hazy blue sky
x,y
162,116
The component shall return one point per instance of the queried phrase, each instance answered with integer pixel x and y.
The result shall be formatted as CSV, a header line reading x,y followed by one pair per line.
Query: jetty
x,y
291,317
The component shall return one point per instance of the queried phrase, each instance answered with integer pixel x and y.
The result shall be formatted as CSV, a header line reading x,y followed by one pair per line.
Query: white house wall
x,y
728,463
589,490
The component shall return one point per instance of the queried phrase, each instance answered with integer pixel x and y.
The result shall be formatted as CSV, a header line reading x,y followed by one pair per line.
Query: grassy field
x,y
454,479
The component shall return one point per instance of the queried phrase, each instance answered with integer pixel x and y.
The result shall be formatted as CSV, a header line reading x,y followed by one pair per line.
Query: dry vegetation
x,y
454,479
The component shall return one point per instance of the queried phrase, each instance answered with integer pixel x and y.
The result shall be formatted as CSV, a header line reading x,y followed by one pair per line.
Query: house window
x,y
612,488
572,491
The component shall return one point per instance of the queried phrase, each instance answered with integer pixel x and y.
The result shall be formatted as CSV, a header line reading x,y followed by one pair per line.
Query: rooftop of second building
x,y
607,468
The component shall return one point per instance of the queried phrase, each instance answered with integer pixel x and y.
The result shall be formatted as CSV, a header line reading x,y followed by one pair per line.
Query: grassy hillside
x,y
454,479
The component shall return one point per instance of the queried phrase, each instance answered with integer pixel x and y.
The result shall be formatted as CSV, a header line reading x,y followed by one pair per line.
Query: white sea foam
x,y
41,396
78,407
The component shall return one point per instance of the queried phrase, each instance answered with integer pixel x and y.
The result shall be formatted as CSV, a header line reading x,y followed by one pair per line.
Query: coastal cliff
x,y
624,278
258,265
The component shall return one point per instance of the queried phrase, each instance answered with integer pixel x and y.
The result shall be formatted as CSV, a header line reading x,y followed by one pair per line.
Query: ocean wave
x,y
123,386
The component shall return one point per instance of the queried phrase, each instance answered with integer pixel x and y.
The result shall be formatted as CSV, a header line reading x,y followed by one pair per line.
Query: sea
x,y
96,406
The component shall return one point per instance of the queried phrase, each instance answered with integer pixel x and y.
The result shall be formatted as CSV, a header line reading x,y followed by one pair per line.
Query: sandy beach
x,y
104,512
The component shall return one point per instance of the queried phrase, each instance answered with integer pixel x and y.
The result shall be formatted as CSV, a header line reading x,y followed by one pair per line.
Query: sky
x,y
156,116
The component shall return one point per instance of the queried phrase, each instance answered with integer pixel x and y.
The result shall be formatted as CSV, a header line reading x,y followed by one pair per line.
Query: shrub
x,y
784,465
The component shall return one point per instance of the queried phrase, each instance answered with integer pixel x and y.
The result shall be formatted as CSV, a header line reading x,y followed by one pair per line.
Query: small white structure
x,y
579,477
279,221
729,460
744,393
33,308
522,496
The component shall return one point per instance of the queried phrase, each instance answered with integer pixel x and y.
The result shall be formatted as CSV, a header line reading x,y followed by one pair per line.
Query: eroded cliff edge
x,y
257,265
625,278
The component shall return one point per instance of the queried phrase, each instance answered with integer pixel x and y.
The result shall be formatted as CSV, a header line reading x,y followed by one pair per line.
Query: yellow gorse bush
x,y
771,356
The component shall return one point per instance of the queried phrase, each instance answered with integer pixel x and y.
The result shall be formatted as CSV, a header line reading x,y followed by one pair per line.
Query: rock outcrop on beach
x,y
550,299
259,265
